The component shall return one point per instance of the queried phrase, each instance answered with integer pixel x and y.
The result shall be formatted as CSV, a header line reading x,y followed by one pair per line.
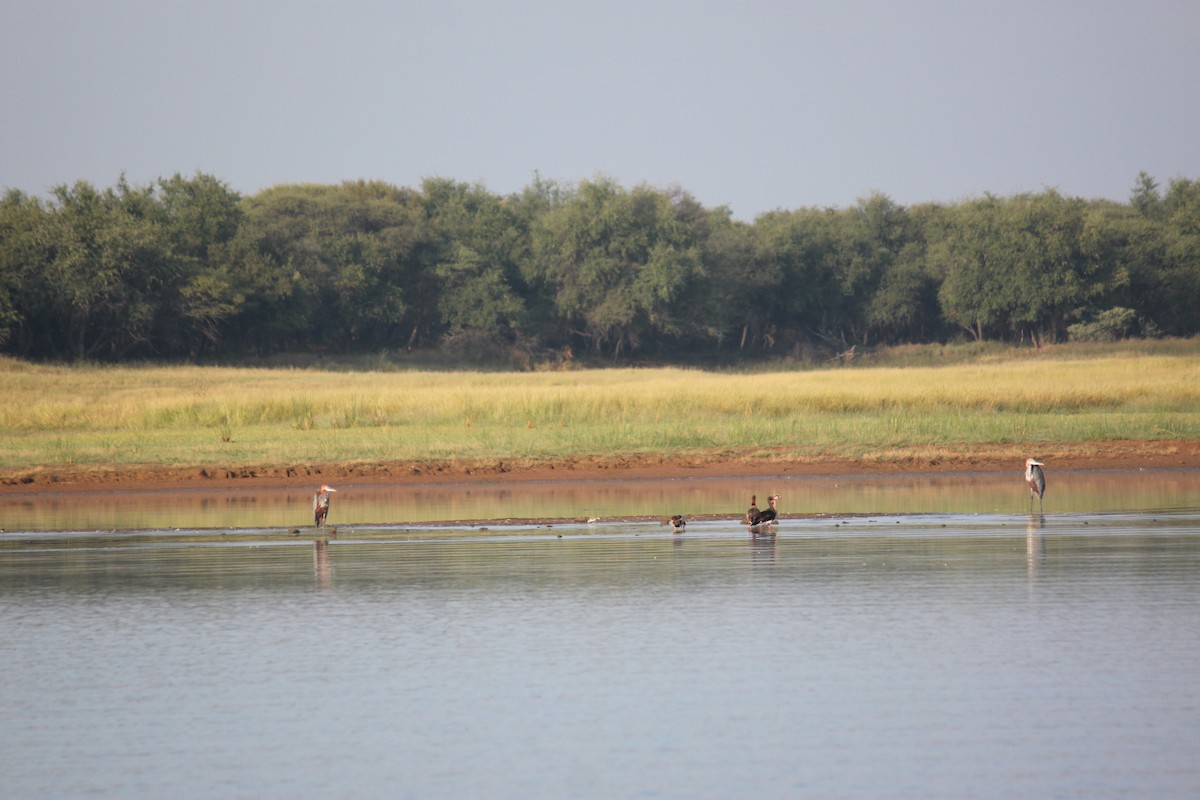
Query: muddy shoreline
x,y
1112,455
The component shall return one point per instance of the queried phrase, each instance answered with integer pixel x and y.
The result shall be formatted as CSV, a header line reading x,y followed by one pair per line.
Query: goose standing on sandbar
x,y
752,511
767,515
321,505
1036,480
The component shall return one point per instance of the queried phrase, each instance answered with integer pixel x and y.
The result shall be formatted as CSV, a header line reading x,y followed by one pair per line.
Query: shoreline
x,y
1111,455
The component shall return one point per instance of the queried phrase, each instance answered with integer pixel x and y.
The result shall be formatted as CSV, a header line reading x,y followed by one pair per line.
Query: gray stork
x,y
1036,480
321,505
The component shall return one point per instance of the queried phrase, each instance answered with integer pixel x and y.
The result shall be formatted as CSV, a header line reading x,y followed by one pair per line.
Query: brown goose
x,y
767,515
751,512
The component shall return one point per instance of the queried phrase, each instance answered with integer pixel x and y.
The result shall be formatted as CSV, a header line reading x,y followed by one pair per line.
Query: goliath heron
x,y
321,505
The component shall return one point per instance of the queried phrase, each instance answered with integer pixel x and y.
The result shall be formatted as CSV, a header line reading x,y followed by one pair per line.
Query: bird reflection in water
x,y
1035,542
763,546
321,563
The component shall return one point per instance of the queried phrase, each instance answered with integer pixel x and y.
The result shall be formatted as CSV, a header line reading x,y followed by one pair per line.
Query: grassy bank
x,y
83,415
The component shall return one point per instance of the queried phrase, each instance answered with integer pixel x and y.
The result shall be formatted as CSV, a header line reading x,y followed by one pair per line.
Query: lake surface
x,y
908,649
978,493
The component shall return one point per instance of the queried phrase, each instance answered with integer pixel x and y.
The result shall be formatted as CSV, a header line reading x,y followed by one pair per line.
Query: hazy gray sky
x,y
754,105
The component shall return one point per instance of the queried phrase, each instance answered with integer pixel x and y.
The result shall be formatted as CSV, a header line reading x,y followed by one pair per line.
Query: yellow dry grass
x,y
213,415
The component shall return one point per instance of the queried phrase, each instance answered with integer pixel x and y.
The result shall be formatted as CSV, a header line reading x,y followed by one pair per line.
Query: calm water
x,y
1068,492
973,653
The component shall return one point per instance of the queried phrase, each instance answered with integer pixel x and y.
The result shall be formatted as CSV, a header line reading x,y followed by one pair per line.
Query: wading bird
x,y
752,511
678,523
767,515
1036,480
321,505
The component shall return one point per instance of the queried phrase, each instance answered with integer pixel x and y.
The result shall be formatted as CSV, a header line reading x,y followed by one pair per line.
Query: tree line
x,y
187,269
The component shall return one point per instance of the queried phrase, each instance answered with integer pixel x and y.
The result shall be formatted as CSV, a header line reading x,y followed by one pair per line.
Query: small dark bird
x,y
678,523
767,515
1036,480
321,505
751,512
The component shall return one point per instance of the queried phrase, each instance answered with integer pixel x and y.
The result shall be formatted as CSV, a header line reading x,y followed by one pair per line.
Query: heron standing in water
x,y
321,505
1036,480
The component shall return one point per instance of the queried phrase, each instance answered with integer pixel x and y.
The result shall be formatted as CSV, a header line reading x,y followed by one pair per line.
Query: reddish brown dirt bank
x,y
1158,454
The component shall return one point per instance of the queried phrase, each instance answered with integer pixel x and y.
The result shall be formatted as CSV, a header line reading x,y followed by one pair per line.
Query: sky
x,y
778,104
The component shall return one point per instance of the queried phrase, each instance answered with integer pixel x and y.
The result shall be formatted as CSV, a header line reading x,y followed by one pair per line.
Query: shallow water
x,y
991,493
934,654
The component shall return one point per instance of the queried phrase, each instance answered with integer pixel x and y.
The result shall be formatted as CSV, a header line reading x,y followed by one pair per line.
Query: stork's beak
x,y
331,489
1036,464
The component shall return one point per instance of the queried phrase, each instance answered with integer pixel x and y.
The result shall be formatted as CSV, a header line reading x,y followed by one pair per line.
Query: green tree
x,y
325,266
202,217
109,261
799,253
738,283
1145,197
1166,268
476,242
1020,267
476,297
618,264
23,255
968,252
871,237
